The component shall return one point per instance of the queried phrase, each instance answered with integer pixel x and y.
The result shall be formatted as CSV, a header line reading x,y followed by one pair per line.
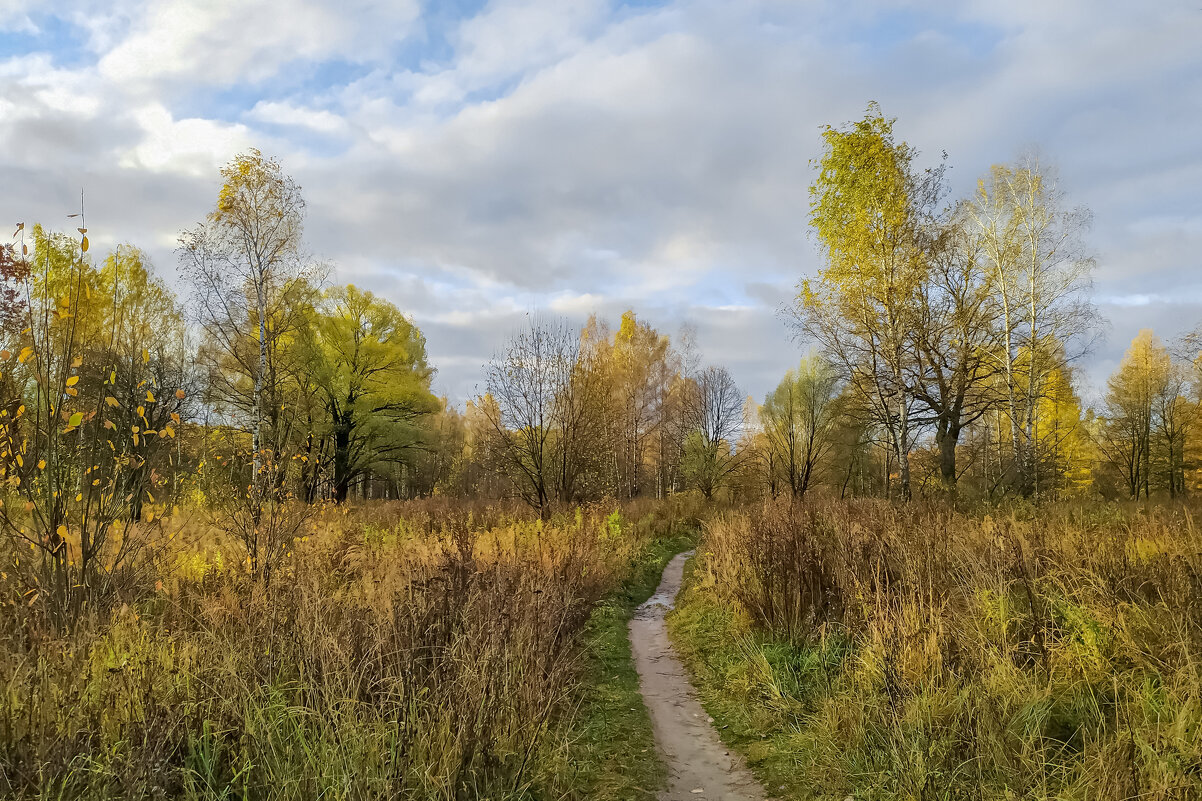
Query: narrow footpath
x,y
700,766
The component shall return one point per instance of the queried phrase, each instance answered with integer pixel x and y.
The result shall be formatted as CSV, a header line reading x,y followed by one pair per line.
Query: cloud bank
x,y
478,162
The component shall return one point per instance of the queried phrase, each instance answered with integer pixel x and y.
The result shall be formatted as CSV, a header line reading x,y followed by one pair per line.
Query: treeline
x,y
259,366
948,335
570,416
943,336
1140,438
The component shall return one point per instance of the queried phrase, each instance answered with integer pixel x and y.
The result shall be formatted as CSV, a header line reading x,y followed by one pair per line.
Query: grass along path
x,y
739,677
699,765
613,756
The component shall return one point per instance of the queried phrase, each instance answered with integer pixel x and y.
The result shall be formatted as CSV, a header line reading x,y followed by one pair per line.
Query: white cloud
x,y
191,146
231,41
576,305
513,36
14,16
318,120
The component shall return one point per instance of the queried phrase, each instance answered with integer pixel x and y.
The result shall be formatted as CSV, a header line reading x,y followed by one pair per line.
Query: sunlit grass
x,y
870,651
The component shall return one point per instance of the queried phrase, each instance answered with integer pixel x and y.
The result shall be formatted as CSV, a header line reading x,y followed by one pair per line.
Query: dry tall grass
x,y
914,652
401,651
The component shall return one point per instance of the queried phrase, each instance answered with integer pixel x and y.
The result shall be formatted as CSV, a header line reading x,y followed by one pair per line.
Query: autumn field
x,y
247,552
449,650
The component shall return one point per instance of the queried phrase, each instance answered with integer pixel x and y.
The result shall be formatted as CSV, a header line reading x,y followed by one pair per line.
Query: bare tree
x,y
716,418
525,383
799,419
956,336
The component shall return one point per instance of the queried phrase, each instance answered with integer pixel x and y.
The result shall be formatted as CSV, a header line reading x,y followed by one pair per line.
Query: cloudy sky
x,y
478,161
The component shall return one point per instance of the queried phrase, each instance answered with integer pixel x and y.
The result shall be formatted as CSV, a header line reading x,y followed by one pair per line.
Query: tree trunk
x,y
947,437
342,461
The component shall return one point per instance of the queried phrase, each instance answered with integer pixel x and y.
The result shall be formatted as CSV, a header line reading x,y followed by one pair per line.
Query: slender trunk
x,y
257,435
1016,438
903,447
851,466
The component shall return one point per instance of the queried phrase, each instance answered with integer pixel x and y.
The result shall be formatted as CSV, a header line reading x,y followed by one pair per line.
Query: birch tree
x,y
246,264
251,283
1040,273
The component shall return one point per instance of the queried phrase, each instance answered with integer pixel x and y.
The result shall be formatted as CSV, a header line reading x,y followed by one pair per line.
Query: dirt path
x,y
699,765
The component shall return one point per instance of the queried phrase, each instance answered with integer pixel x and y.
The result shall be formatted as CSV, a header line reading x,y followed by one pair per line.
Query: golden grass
x,y
914,652
421,650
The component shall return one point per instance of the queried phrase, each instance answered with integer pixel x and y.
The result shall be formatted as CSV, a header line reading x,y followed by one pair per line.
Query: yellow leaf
x,y
73,380
20,461
72,391
75,419
41,464
79,497
149,397
26,352
78,361
83,245
62,532
111,401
